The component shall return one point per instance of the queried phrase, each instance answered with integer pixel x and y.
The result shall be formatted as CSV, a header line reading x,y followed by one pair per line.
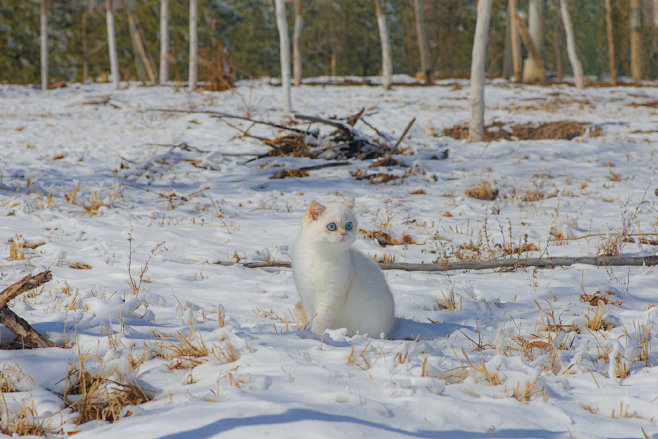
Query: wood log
x,y
13,322
601,261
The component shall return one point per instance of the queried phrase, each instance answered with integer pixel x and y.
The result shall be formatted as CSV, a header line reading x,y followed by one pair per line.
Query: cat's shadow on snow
x,y
407,329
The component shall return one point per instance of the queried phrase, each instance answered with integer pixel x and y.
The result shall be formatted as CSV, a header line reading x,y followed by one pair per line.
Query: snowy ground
x,y
516,358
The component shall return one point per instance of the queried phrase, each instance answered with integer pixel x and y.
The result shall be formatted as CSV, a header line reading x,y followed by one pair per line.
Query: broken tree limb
x,y
404,133
600,261
12,321
340,125
26,284
20,327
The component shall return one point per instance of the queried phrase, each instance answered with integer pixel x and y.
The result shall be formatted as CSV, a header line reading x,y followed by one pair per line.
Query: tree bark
x,y
425,63
12,321
164,41
636,41
194,46
85,44
611,42
516,43
532,72
571,45
296,44
44,45
537,63
387,63
140,43
284,53
112,45
139,63
476,128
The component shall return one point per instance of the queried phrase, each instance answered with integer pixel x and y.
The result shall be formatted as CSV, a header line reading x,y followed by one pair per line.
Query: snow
x,y
444,374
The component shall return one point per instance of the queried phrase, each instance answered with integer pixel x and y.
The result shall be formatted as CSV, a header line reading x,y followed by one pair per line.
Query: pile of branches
x,y
342,143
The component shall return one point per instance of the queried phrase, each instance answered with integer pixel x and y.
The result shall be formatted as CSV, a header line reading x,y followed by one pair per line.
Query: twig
x,y
372,127
28,283
230,116
601,261
184,146
404,133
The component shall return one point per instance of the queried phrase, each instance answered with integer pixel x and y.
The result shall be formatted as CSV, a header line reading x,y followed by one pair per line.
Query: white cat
x,y
339,287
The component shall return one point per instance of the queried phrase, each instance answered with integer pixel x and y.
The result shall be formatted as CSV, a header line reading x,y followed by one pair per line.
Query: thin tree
x,y
636,41
476,128
85,44
112,45
164,41
194,56
516,43
531,71
425,64
44,45
571,45
611,41
296,43
387,63
284,43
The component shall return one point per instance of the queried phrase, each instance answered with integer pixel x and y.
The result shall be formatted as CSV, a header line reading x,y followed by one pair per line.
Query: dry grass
x,y
93,204
598,297
186,351
359,360
16,248
447,302
72,195
529,391
11,376
595,322
24,421
482,191
565,129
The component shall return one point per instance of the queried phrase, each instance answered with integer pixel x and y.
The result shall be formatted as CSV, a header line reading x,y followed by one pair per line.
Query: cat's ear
x,y
349,203
314,211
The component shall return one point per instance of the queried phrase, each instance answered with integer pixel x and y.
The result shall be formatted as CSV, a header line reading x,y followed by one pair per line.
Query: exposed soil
x,y
564,129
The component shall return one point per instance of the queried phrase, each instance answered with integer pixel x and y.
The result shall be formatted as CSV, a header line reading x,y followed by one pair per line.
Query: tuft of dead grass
x,y
482,191
564,129
186,351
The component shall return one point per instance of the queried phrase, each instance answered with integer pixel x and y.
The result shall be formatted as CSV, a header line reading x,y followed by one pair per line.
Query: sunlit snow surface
x,y
209,204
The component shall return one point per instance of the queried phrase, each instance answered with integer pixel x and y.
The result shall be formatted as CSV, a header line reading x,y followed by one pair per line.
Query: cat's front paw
x,y
317,328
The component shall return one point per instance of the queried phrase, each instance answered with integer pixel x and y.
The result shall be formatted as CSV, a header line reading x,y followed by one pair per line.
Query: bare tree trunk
x,y
558,54
194,57
425,62
387,63
112,45
636,41
516,43
571,45
476,128
507,70
85,45
44,45
296,43
531,71
611,42
164,41
139,64
284,43
140,43
537,62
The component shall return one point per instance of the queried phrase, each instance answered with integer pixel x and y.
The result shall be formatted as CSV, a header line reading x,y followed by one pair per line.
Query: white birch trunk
x,y
387,63
636,39
476,128
112,46
194,56
164,41
516,43
296,44
284,42
44,46
571,45
419,9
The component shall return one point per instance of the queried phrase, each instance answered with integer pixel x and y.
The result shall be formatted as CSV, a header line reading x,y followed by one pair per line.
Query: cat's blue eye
x,y
331,227
349,226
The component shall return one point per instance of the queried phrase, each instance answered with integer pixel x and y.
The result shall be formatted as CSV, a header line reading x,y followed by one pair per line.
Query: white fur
x,y
339,286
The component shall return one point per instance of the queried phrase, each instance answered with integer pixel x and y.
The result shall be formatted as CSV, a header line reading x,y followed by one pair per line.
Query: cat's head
x,y
333,223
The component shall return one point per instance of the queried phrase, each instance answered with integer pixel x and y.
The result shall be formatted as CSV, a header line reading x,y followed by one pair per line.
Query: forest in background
x,y
344,31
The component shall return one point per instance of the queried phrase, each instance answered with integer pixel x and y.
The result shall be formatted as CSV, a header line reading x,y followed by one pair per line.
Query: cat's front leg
x,y
326,312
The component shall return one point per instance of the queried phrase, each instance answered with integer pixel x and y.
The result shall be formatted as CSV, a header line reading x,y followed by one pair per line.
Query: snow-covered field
x,y
522,354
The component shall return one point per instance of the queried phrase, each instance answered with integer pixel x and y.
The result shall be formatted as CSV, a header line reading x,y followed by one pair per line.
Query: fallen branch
x,y
332,123
601,261
303,172
15,323
404,133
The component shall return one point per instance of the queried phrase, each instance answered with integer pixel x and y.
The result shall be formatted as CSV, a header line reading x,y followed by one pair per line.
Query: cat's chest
x,y
315,270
